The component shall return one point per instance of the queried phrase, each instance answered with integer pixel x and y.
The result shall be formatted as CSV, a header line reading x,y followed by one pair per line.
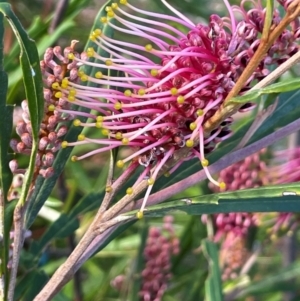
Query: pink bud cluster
x,y
285,168
160,246
249,173
233,228
55,67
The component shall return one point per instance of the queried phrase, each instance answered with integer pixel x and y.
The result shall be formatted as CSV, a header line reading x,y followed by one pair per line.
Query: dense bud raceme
x,y
285,168
161,244
55,67
254,171
233,228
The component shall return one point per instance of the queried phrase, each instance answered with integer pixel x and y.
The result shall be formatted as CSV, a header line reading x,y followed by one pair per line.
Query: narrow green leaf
x,y
5,132
61,228
15,75
32,78
88,203
286,112
30,64
280,198
39,280
213,284
135,286
281,87
30,284
5,173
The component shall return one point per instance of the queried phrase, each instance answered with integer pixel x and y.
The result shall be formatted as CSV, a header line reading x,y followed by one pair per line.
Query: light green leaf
x,y
281,87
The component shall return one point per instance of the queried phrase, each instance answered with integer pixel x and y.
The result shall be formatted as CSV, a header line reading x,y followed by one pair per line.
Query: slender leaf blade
x,y
280,198
32,78
213,284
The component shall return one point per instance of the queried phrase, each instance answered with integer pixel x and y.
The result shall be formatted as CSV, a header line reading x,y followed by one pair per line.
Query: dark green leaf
x,y
286,112
213,284
5,173
29,285
135,286
38,281
64,226
280,198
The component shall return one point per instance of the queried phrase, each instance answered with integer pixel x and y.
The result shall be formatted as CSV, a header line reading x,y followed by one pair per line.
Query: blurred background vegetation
x,y
52,23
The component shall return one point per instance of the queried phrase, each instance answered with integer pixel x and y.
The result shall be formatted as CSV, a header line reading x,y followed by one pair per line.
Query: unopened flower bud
x,y
57,52
38,159
62,131
50,80
25,116
56,146
57,71
27,139
17,181
47,173
48,56
73,74
52,136
24,105
13,144
21,147
20,127
52,122
13,165
43,143
48,159
47,95
67,51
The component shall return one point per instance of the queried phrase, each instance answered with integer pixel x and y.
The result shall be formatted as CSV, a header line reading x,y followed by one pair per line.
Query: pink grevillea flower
x,y
155,96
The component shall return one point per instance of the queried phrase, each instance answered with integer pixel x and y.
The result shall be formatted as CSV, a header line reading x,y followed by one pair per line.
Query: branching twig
x,y
19,213
66,271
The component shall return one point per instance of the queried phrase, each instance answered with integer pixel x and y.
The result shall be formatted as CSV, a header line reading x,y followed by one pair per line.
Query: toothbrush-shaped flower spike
x,y
154,96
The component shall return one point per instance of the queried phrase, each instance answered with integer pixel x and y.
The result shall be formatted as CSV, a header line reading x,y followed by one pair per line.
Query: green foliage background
x,y
77,194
